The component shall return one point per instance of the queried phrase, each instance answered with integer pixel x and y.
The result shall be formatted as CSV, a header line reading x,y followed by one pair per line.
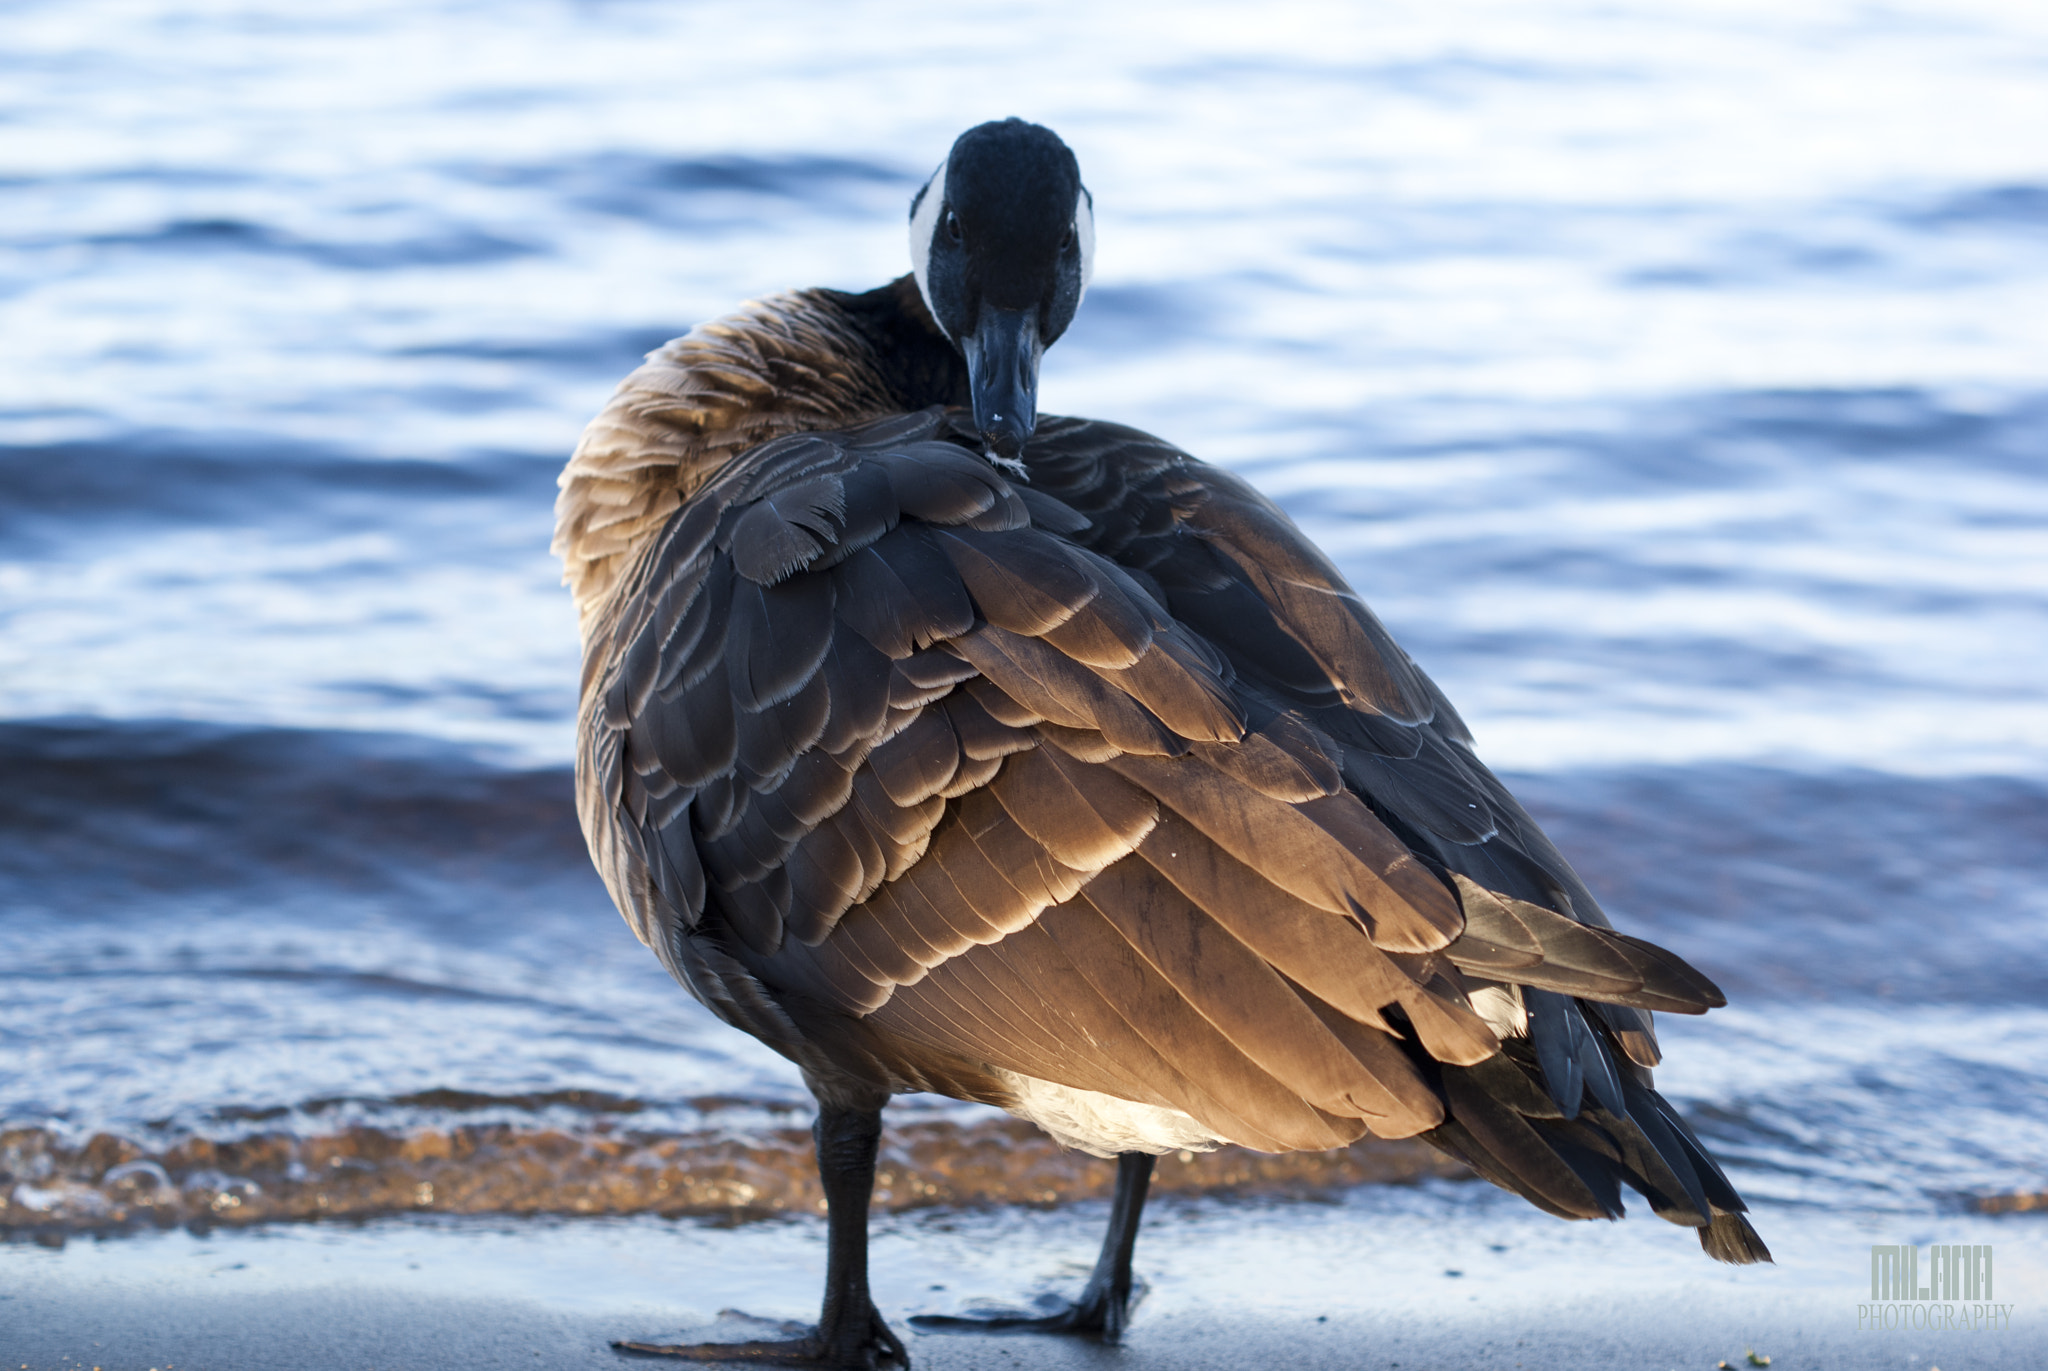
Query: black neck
x,y
921,367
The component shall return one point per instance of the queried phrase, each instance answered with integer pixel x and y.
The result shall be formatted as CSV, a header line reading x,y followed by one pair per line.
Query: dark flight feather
x,y
935,779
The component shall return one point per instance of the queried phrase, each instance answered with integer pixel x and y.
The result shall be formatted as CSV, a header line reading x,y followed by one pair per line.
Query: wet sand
x,y
1442,1275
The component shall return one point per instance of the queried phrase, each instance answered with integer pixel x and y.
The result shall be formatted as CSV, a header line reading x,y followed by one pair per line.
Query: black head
x,y
1002,238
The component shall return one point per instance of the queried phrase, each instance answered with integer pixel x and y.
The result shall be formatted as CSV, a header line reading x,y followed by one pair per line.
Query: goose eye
x,y
953,230
1067,241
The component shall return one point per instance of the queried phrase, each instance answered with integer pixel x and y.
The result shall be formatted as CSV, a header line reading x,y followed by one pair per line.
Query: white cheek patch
x,y
1084,232
924,222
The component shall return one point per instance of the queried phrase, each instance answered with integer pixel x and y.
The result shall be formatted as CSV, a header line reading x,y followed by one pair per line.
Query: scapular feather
x,y
778,636
768,544
1092,770
692,646
1021,581
857,676
772,740
901,594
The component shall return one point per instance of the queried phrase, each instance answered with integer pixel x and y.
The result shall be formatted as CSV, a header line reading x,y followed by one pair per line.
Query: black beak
x,y
1002,373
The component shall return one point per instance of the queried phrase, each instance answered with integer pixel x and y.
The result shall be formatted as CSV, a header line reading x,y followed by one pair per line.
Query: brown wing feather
x,y
1109,781
1331,851
1159,1014
1237,991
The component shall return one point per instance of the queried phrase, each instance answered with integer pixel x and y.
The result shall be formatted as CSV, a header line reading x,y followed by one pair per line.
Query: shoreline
x,y
110,1184
1435,1275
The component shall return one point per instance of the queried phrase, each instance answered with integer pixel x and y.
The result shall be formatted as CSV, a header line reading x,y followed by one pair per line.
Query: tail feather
x,y
1664,1150
1457,1140
1533,1158
1501,1121
1719,1189
1592,1167
1729,1238
1624,1151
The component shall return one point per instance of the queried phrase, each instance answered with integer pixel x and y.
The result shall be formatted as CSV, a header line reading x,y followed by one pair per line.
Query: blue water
x,y
1670,378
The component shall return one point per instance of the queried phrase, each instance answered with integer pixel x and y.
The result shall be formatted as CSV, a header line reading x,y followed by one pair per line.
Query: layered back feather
x,y
1097,778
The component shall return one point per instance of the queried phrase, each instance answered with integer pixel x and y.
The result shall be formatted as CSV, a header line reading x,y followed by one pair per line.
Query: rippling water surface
x,y
1669,377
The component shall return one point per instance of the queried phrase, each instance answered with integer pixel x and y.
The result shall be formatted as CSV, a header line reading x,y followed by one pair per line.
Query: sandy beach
x,y
1442,1275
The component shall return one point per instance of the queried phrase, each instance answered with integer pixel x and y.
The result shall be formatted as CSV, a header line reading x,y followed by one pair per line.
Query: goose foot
x,y
1104,1308
1100,1313
849,1349
850,1335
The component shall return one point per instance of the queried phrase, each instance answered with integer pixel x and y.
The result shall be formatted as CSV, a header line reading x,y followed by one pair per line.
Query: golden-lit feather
x,y
935,776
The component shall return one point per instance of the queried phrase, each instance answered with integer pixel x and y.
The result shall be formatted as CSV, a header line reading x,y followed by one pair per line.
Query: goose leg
x,y
850,1335
1105,1303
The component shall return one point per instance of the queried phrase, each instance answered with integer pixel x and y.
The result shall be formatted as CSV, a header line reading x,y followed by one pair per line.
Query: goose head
x,y
1002,239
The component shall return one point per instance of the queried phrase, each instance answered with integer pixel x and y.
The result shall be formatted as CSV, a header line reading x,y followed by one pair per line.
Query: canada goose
x,y
946,747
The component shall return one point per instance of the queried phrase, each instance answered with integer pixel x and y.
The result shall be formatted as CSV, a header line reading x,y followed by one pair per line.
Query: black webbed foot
x,y
850,1335
848,1349
1104,1308
1100,1313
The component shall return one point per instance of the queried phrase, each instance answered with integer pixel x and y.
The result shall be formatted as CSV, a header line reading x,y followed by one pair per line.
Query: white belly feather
x,y
1103,1124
